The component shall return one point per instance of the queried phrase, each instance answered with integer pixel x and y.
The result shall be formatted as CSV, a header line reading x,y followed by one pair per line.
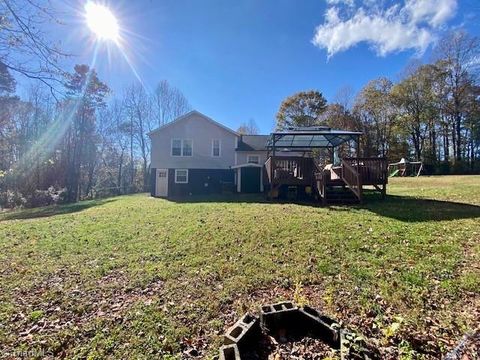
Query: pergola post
x,y
272,161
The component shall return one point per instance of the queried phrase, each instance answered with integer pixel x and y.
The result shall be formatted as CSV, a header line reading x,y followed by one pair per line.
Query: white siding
x,y
201,131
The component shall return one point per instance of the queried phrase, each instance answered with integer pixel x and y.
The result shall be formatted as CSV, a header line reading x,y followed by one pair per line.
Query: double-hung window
x,y
187,147
253,159
182,147
215,147
181,176
176,147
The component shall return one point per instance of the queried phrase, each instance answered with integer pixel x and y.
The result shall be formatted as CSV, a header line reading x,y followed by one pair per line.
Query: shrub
x,y
51,196
12,199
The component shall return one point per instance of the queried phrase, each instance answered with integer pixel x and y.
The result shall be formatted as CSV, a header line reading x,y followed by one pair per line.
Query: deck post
x,y
272,159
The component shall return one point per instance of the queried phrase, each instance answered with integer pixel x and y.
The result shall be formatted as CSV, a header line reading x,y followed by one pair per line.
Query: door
x,y
161,188
250,182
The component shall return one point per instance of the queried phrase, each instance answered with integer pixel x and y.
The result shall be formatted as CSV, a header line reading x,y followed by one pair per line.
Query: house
x,y
195,155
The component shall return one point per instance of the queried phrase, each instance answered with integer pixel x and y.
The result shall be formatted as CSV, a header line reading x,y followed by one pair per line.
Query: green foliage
x,y
299,297
301,109
36,315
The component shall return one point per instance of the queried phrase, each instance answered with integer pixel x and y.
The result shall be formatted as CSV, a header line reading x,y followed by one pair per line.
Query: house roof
x,y
186,116
253,143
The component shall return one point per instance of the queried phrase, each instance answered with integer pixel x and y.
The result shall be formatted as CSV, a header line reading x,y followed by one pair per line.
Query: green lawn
x,y
138,277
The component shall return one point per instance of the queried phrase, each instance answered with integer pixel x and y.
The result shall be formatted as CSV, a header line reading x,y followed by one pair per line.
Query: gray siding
x,y
201,131
242,156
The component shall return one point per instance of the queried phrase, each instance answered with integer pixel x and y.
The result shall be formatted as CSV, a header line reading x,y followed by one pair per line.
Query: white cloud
x,y
411,25
350,3
434,12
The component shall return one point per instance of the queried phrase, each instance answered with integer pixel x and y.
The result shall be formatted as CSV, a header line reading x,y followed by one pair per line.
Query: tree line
x,y
69,138
80,146
432,114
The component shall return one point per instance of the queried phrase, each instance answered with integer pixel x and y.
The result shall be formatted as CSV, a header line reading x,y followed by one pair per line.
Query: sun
x,y
101,21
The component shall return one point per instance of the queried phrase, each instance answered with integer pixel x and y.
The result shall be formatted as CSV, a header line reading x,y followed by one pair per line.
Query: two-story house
x,y
194,155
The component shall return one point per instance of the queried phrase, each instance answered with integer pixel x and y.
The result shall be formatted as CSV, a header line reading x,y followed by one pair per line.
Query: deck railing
x,y
289,170
373,171
352,178
354,173
321,183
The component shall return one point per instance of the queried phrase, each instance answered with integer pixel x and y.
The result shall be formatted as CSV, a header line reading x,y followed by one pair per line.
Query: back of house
x,y
196,155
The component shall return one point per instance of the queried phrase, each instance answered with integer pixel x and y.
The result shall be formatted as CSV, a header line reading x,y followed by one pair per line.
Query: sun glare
x,y
101,21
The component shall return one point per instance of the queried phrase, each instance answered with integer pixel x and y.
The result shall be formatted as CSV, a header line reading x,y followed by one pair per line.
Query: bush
x,y
443,168
459,168
51,196
12,199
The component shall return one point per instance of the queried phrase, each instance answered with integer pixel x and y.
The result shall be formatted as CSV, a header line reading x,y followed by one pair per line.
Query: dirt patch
x,y
54,305
390,341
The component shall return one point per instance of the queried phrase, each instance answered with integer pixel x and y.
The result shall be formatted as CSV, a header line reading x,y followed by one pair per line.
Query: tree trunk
x,y
446,144
119,178
458,121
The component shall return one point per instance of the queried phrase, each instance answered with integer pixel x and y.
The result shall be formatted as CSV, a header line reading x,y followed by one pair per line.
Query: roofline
x,y
246,165
188,115
332,132
236,149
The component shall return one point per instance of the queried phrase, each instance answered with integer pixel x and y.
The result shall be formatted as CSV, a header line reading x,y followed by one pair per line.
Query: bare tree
x,y
24,47
458,55
138,105
168,103
345,97
248,128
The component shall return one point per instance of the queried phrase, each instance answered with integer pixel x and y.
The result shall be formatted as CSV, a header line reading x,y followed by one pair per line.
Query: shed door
x,y
161,188
250,182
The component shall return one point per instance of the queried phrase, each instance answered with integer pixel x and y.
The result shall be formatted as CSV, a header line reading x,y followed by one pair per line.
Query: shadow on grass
x,y
412,209
403,208
52,210
238,199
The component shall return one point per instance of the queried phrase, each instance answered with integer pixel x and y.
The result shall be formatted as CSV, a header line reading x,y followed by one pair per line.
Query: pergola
x,y
305,139
301,170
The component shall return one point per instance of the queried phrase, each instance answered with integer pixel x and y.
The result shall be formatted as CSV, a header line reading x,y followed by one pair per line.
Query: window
x,y
187,148
181,176
176,147
181,147
215,147
253,159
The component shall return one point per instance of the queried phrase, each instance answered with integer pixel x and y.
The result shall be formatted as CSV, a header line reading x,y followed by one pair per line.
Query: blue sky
x,y
236,60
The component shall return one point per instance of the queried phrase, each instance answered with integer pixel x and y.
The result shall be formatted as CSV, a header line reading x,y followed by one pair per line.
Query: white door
x,y
161,188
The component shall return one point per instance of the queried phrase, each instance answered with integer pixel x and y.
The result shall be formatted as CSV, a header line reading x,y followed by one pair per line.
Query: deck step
x,y
340,195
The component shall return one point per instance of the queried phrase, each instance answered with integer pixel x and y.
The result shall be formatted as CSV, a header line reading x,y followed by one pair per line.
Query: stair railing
x,y
352,178
320,182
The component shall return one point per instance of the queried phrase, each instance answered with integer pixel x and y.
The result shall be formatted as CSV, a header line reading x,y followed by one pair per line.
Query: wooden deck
x,y
290,170
353,174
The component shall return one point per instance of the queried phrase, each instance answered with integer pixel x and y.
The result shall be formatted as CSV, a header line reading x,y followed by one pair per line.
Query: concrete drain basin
x,y
285,322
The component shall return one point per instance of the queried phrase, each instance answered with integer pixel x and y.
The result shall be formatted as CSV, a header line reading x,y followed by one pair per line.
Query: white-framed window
x,y
181,176
253,159
176,147
182,147
187,147
216,147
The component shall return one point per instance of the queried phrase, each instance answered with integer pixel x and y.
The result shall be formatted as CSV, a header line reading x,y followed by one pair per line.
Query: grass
x,y
138,277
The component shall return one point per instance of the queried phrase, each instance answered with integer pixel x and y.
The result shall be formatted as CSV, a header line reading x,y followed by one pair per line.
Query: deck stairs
x,y
340,195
